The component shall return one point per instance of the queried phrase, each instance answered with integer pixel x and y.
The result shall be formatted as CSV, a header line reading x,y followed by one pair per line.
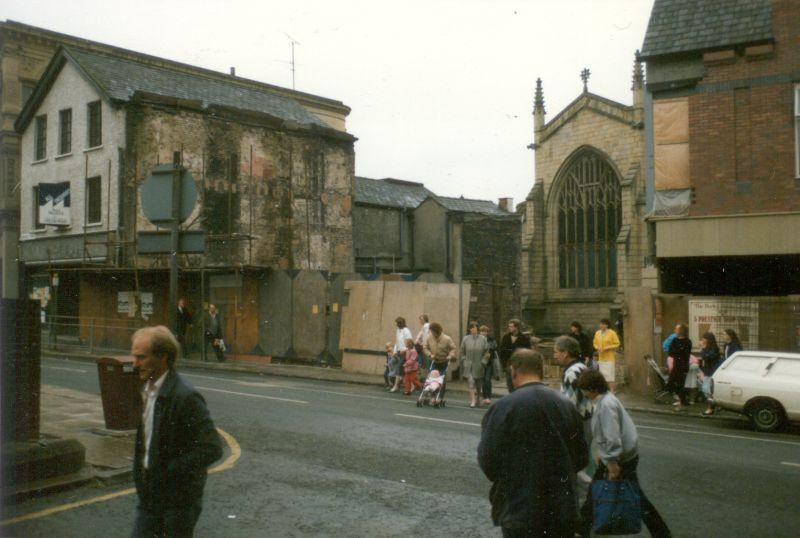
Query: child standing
x,y
390,371
410,368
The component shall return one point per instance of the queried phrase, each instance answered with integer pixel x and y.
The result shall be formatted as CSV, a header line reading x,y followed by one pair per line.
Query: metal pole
x,y
177,174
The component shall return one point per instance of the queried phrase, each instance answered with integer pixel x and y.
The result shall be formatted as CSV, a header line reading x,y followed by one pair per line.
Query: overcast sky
x,y
441,91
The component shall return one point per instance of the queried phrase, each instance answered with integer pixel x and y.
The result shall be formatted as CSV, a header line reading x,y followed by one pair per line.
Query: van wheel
x,y
766,415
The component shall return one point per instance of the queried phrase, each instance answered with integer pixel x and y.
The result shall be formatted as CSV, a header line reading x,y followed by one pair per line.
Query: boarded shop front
x,y
368,321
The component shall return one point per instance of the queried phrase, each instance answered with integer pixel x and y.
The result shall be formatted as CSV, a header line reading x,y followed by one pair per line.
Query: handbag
x,y
616,507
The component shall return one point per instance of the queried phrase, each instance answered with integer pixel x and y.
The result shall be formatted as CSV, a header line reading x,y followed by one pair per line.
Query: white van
x,y
764,385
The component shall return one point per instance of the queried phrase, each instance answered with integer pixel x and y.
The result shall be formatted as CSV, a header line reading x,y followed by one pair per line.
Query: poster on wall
x,y
716,315
147,303
54,203
124,302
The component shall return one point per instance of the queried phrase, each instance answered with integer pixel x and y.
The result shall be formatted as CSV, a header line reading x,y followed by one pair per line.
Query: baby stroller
x,y
432,390
661,395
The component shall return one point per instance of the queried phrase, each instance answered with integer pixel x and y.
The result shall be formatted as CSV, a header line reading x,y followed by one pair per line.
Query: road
x,y
333,459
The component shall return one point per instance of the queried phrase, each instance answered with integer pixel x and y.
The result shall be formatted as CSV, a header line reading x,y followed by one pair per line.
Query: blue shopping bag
x,y
616,507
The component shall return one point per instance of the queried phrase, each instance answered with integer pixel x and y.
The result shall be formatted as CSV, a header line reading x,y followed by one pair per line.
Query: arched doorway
x,y
588,220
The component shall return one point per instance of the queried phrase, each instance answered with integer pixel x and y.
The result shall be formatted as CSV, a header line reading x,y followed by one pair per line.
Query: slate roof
x,y
390,192
467,205
120,78
679,26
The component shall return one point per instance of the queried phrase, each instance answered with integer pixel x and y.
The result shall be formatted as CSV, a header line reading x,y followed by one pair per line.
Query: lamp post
x,y
53,320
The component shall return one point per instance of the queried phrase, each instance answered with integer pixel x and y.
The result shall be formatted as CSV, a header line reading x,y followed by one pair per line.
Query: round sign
x,y
157,193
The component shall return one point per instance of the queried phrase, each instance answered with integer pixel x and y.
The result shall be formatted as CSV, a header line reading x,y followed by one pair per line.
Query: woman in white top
x,y
402,334
422,337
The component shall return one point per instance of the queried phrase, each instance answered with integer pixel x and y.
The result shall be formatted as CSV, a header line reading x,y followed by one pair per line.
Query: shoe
x,y
393,389
677,404
406,393
487,401
472,405
707,412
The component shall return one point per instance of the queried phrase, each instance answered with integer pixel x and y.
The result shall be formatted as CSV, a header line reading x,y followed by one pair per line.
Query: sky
x,y
441,91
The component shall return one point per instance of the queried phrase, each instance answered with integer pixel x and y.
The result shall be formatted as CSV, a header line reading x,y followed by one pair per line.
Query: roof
x,y
390,192
680,26
118,78
467,205
69,40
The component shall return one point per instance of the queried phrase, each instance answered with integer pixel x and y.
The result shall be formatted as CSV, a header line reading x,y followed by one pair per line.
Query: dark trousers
x,y
677,378
156,521
509,382
217,351
182,341
650,516
486,389
165,523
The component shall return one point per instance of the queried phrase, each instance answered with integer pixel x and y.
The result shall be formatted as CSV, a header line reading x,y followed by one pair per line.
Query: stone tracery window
x,y
589,219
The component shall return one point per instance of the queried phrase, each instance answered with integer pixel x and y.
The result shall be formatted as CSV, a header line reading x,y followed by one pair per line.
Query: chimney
x,y
233,71
506,204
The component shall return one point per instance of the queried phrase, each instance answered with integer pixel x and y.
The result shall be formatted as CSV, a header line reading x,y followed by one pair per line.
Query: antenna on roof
x,y
294,42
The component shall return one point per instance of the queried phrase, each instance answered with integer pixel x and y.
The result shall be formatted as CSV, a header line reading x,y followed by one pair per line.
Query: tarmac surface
x,y
325,457
75,414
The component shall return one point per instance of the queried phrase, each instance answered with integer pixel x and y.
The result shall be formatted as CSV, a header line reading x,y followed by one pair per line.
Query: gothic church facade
x,y
583,232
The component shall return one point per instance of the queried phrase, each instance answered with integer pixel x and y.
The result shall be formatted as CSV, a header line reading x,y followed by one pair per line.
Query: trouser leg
x,y
509,382
650,516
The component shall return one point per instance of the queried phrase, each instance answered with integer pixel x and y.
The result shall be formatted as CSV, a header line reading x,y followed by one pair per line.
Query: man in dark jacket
x,y
175,442
214,332
183,318
514,339
531,447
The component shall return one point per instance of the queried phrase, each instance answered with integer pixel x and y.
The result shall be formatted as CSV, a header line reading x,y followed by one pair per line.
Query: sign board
x,y
54,203
124,300
160,242
126,303
715,315
157,194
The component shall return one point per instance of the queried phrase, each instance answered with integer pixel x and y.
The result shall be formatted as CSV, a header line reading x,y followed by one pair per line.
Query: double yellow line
x,y
229,462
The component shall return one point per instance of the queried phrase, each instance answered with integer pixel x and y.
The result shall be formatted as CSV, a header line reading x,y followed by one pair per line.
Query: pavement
x,y
73,414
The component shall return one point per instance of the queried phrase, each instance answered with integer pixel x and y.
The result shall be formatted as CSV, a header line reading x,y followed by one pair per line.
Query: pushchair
x,y
431,393
661,395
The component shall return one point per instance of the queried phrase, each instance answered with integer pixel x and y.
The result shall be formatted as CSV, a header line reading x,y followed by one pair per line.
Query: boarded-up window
x,y
40,139
94,200
671,140
95,128
797,131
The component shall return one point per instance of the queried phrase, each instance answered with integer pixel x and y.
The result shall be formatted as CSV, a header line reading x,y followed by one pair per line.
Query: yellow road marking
x,y
229,462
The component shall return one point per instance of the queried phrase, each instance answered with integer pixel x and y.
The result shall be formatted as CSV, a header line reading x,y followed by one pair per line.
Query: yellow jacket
x,y
608,342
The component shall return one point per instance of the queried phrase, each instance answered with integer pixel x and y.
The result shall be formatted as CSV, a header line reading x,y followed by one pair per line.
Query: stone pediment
x,y
587,101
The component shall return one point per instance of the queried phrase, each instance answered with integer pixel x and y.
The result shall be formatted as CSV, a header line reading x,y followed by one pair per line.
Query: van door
x,y
784,382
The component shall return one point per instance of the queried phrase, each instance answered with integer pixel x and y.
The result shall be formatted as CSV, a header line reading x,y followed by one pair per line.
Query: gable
x,y
67,88
586,103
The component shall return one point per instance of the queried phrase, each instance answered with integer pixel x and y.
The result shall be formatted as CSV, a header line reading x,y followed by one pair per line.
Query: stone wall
x,y
290,192
491,263
613,131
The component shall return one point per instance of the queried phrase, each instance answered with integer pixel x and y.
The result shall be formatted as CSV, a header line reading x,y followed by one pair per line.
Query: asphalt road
x,y
332,459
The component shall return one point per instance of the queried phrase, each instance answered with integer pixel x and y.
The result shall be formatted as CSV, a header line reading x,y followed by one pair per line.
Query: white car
x,y
763,385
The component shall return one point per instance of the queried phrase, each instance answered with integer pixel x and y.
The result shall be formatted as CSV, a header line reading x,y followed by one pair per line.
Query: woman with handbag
x,y
615,437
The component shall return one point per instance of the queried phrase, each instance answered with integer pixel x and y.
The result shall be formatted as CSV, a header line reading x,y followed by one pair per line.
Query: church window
x,y
589,220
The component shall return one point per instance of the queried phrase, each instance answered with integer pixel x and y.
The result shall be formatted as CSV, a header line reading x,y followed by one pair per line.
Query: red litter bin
x,y
120,390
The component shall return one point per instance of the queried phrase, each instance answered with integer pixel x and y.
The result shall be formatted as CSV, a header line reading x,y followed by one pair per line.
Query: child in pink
x,y
411,366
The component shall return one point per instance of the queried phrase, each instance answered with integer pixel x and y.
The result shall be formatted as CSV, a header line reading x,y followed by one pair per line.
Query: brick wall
x,y
742,135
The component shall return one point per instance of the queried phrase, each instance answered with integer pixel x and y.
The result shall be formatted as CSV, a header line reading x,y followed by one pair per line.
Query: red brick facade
x,y
742,137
